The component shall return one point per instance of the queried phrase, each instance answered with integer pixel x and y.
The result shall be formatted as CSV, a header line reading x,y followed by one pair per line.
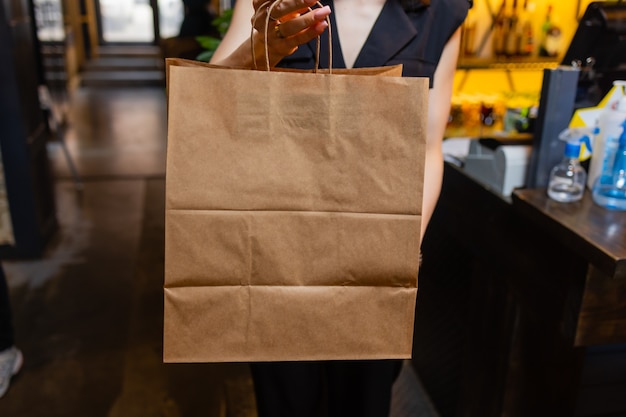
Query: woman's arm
x,y
297,25
439,102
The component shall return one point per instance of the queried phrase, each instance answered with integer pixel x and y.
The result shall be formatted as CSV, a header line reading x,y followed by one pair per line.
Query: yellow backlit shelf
x,y
512,63
516,74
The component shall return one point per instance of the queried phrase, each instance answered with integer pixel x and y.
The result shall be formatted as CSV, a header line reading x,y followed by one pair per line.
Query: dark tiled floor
x,y
89,313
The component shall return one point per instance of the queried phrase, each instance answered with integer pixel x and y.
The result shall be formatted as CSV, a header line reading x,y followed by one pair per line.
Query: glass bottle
x,y
550,36
568,177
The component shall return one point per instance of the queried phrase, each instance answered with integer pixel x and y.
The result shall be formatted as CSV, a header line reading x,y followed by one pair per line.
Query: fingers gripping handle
x,y
270,5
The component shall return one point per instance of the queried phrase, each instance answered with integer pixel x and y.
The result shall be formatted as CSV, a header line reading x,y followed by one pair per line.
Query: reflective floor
x,y
88,314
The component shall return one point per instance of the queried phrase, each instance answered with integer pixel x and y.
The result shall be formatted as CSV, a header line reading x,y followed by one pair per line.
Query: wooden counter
x,y
599,236
522,305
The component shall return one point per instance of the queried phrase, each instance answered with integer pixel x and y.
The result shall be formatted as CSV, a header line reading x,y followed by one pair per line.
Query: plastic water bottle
x,y
568,177
609,190
606,142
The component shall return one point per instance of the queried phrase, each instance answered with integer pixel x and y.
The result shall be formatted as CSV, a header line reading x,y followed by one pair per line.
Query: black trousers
x,y
327,388
6,324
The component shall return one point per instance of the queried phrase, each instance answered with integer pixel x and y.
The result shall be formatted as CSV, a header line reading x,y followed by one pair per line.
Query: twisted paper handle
x,y
270,6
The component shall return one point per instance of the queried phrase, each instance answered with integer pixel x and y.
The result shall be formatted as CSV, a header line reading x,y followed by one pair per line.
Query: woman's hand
x,y
291,23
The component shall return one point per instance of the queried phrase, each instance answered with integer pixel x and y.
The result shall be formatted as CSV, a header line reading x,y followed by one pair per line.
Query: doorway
x,y
138,21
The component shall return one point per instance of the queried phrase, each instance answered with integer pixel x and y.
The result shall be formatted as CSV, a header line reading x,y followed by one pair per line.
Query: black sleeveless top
x,y
413,38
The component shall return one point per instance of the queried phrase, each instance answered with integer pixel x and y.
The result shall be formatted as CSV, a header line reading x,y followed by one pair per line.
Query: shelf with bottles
x,y
517,33
505,114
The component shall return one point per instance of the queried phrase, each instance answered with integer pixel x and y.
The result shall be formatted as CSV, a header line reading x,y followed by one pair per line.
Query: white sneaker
x,y
11,360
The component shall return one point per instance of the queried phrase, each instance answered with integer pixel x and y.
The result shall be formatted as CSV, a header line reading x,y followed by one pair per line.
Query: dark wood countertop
x,y
534,290
596,233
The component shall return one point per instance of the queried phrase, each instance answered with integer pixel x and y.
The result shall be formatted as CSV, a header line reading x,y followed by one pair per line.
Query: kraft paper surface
x,y
293,213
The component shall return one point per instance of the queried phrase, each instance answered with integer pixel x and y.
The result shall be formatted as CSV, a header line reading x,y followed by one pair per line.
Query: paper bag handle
x,y
270,6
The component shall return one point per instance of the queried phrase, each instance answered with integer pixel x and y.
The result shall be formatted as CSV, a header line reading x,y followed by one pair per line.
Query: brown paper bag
x,y
293,213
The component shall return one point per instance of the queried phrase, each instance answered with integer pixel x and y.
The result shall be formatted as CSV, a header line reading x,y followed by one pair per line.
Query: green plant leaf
x,y
208,42
222,22
205,56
